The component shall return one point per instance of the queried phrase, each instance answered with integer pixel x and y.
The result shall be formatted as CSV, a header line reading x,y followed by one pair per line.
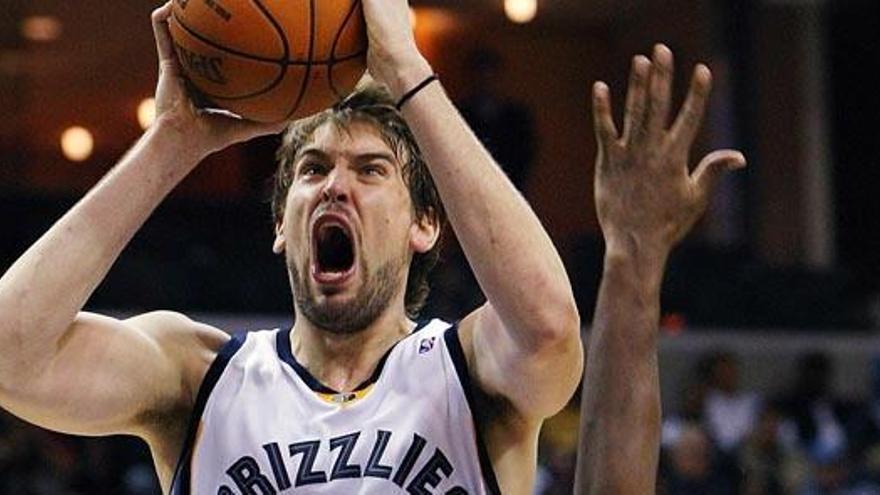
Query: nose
x,y
336,189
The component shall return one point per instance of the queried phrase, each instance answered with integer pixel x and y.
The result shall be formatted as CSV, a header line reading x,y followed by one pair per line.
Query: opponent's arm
x,y
646,200
85,373
525,341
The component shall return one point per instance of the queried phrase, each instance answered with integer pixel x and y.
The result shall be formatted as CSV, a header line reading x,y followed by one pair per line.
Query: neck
x,y
344,361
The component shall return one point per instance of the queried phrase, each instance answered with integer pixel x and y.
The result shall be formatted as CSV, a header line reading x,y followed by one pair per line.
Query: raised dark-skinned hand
x,y
647,197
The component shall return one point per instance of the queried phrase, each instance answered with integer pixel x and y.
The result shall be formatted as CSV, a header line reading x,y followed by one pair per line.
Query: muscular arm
x,y
526,338
45,342
620,420
108,376
524,342
85,373
646,200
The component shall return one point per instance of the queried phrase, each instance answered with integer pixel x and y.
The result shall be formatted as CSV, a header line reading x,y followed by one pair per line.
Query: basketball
x,y
270,60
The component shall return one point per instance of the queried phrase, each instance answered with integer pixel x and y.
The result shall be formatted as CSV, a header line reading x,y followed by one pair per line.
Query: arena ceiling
x,y
106,49
92,30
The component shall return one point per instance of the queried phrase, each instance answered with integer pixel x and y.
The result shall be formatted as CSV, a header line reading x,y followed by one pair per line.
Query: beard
x,y
372,299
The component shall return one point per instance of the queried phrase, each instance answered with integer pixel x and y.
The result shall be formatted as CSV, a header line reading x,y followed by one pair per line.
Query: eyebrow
x,y
315,152
363,157
379,155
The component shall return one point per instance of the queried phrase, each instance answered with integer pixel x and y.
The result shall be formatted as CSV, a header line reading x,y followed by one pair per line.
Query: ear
x,y
424,233
279,244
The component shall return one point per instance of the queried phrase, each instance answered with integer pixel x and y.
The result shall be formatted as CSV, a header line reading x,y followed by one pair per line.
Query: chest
x,y
264,429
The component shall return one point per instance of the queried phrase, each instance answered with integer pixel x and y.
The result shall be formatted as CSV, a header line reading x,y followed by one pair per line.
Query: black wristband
x,y
409,94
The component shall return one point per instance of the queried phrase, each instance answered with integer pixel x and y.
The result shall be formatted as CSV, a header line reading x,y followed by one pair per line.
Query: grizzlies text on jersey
x,y
263,425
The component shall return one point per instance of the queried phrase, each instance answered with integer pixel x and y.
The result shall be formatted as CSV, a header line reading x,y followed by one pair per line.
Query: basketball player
x,y
356,397
647,200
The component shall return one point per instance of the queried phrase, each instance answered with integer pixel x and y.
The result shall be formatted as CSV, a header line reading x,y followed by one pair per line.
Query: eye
x,y
373,170
309,169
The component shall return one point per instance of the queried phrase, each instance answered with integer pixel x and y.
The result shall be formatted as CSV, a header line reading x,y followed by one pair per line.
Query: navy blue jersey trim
x,y
180,484
286,355
461,369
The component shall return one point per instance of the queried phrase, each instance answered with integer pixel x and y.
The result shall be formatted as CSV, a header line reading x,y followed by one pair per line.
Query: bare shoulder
x,y
190,344
192,347
179,333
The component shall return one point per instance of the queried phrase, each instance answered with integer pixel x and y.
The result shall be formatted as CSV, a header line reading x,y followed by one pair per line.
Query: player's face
x,y
348,230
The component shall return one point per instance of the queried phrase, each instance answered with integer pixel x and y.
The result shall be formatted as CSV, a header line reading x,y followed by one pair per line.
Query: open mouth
x,y
334,251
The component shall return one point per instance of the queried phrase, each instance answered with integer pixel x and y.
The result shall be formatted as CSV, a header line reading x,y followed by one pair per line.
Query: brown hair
x,y
373,104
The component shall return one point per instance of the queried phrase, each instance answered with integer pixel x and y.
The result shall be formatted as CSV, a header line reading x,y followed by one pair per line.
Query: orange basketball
x,y
270,60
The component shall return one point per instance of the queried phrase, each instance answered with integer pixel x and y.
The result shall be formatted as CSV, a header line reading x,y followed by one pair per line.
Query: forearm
x,y
620,412
49,284
501,236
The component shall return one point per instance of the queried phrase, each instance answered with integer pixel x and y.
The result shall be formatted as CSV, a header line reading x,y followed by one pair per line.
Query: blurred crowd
x,y
724,440
37,462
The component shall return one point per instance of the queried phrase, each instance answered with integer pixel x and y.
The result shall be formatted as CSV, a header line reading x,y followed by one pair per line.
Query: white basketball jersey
x,y
263,425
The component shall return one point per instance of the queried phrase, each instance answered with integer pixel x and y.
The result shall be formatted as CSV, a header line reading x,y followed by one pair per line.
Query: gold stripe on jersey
x,y
345,398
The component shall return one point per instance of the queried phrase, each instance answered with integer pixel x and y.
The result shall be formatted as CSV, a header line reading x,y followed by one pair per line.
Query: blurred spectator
x,y
835,476
557,453
503,125
730,413
770,467
819,418
38,462
693,467
865,429
693,398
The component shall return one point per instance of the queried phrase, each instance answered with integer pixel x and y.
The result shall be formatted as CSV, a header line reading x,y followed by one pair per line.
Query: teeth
x,y
324,228
327,226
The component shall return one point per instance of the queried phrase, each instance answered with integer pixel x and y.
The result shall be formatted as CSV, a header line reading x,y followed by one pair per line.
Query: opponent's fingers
x,y
636,97
603,123
713,166
164,46
660,92
689,119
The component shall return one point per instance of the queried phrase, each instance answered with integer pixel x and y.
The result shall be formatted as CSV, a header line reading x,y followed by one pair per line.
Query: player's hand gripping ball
x,y
270,60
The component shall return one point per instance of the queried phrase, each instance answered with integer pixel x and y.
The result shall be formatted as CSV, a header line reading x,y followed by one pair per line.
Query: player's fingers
x,y
603,123
164,46
713,166
636,98
660,92
688,122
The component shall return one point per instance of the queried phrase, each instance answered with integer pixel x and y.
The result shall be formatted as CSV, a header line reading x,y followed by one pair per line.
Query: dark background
x,y
791,245
748,264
